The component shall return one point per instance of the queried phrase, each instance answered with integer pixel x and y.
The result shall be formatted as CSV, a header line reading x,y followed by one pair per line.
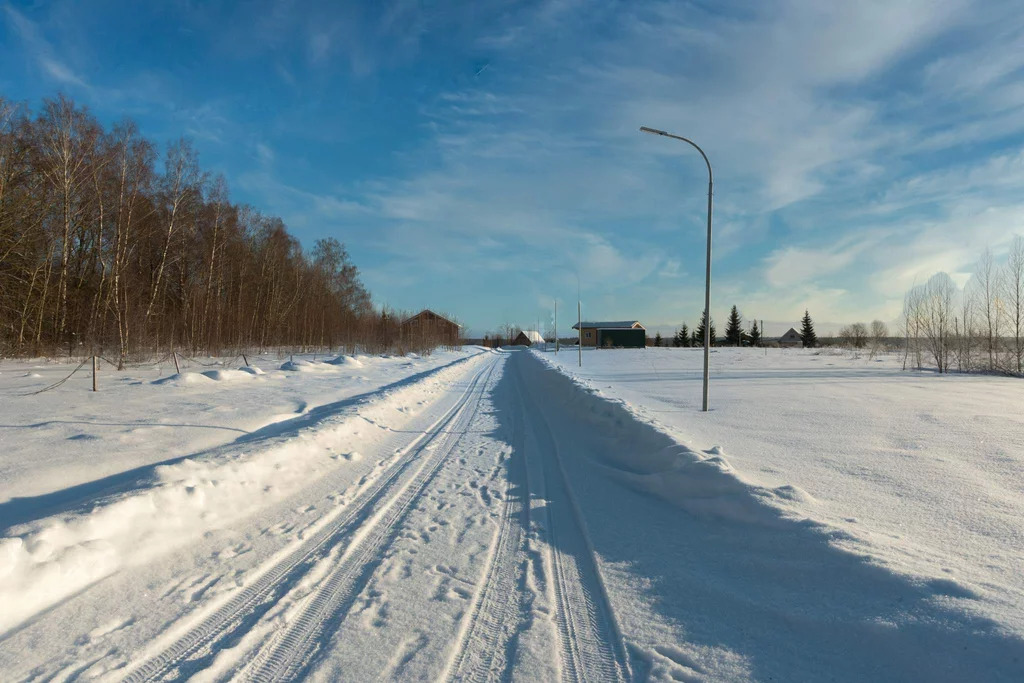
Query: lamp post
x,y
707,284
579,321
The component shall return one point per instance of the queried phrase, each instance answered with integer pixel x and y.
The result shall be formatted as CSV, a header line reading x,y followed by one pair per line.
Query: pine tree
x,y
755,334
698,334
807,335
684,336
734,329
657,339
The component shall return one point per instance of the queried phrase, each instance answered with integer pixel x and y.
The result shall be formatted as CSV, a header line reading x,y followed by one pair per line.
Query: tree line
x,y
735,334
979,328
105,249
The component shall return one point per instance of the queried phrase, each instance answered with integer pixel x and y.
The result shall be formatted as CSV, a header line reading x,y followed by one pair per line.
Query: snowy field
x,y
53,443
901,494
490,515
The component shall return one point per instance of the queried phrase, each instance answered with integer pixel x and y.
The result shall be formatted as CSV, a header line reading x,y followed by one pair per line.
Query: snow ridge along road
x,y
246,606
592,647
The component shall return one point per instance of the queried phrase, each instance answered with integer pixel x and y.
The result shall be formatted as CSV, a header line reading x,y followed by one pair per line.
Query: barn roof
x,y
608,325
425,311
534,336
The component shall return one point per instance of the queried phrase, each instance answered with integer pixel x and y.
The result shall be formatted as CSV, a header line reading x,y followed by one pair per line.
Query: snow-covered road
x,y
434,541
474,517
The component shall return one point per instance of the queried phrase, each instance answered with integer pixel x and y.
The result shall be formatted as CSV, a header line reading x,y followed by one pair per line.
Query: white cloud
x,y
42,51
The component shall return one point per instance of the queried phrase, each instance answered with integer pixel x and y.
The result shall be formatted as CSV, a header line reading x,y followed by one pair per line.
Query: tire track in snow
x,y
242,609
485,648
292,650
592,647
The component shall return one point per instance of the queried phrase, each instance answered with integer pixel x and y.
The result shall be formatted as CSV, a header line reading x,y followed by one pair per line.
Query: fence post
x,y
174,355
94,373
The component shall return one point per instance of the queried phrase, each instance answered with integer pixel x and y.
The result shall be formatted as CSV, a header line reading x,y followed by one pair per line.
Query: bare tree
x,y
936,314
65,136
879,333
989,285
855,335
179,185
1013,281
913,311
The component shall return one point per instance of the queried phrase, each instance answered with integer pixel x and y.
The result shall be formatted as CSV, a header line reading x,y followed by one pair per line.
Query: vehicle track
x,y
293,649
485,650
242,609
592,647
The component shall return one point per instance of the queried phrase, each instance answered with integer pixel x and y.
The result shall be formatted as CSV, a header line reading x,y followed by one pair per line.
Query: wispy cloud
x,y
39,49
800,107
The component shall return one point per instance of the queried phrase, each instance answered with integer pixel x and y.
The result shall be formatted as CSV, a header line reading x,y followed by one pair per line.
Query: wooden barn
x,y
431,329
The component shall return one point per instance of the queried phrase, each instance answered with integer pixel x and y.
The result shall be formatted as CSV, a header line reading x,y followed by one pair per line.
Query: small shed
x,y
528,338
791,340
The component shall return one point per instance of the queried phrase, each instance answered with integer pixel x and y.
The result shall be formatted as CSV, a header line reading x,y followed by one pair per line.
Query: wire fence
x,y
58,382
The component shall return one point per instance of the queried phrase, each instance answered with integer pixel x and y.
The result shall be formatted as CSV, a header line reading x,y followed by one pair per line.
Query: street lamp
x,y
707,285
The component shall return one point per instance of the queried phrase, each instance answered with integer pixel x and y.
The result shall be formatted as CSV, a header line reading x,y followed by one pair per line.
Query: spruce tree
x,y
734,329
755,334
698,334
807,335
684,336
657,339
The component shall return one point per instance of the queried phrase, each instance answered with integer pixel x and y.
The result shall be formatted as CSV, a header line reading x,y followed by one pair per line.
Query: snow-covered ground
x,y
850,501
504,515
69,443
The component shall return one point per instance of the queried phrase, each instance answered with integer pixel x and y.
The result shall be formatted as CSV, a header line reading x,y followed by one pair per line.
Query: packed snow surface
x,y
507,515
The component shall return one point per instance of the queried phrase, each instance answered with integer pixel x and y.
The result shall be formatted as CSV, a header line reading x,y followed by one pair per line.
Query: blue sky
x,y
476,157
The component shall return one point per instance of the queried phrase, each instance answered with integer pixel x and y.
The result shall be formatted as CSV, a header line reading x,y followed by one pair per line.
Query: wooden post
x,y
94,373
174,355
246,360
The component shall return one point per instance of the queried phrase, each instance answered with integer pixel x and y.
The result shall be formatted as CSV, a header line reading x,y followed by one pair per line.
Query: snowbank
x,y
649,460
350,361
58,556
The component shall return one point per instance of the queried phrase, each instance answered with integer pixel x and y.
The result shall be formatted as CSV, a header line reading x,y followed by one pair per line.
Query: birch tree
x,y
1013,281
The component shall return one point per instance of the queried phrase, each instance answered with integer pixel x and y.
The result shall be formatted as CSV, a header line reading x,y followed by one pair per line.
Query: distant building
x,y
628,334
528,338
791,340
431,328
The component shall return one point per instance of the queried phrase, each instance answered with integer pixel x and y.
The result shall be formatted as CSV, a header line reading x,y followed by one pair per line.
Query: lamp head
x,y
652,131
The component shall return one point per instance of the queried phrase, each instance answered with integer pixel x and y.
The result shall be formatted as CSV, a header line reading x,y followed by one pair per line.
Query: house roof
x,y
533,335
791,333
606,325
425,311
